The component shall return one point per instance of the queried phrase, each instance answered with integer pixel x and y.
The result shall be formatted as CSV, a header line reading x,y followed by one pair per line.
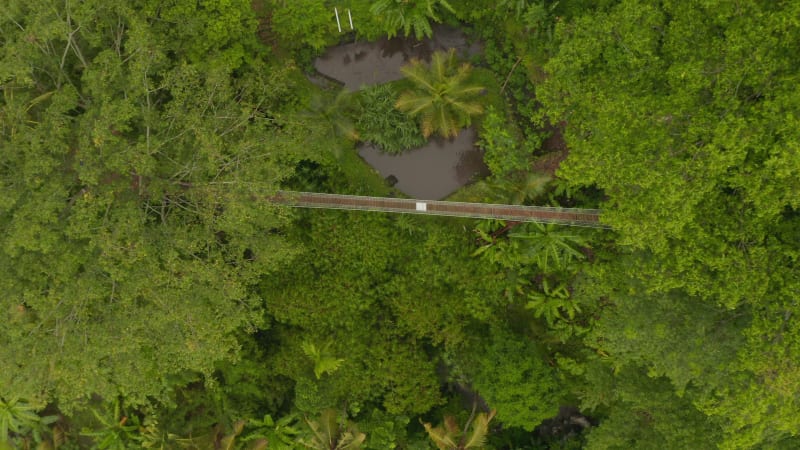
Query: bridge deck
x,y
518,213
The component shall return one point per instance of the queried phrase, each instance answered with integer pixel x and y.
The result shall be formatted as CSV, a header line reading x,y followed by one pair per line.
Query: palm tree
x,y
442,96
334,112
449,436
329,433
517,190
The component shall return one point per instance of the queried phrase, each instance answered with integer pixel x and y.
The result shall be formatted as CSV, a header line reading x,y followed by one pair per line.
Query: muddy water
x,y
441,166
433,171
365,63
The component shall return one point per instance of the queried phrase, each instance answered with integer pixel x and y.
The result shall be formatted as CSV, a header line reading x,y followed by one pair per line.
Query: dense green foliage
x,y
685,116
503,154
154,298
409,15
382,124
127,227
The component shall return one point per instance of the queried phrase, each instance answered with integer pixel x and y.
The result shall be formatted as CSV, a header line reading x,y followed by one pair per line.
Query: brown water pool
x,y
365,63
434,170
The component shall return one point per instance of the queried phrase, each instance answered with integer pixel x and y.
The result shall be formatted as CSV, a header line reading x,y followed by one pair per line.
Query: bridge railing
x,y
546,214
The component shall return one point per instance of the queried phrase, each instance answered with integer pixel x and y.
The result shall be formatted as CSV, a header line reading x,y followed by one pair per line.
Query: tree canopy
x,y
154,297
684,114
128,223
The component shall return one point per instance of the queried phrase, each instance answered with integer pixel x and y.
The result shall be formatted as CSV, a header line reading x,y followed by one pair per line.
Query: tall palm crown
x,y
449,436
442,97
331,433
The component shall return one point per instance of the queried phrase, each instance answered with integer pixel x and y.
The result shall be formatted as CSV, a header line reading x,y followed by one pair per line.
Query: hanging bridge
x,y
516,213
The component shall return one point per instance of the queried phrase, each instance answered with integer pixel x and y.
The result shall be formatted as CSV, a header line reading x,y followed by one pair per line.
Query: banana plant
x,y
486,242
409,15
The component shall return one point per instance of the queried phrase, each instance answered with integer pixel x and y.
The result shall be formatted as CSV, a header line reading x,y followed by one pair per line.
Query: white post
x,y
350,17
338,24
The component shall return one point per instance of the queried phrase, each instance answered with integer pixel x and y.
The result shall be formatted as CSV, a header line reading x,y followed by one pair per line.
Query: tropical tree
x,y
329,433
335,113
442,96
101,145
518,190
503,153
409,15
449,436
301,23
683,114
511,372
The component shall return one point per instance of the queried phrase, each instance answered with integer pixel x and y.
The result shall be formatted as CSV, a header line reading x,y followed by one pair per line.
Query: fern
x,y
553,248
552,303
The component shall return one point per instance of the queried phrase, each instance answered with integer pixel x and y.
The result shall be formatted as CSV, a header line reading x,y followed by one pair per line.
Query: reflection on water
x,y
433,171
364,63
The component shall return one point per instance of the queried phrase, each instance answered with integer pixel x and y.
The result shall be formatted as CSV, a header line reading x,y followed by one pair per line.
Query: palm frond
x,y
441,438
441,97
418,74
412,104
480,429
447,6
465,91
469,109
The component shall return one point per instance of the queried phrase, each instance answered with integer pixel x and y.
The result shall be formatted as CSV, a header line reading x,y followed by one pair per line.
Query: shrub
x,y
383,125
513,377
503,154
